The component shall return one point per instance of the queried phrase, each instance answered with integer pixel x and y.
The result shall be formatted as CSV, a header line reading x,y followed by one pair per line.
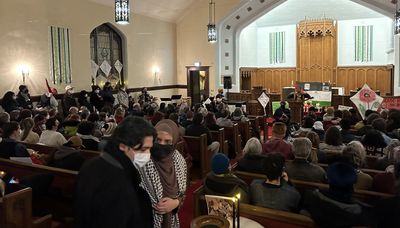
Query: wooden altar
x,y
316,61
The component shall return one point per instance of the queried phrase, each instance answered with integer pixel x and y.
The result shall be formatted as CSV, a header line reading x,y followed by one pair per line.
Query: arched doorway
x,y
106,54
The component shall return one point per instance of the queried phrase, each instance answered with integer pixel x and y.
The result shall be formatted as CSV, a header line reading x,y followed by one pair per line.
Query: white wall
x,y
248,47
24,40
254,46
382,52
397,69
290,46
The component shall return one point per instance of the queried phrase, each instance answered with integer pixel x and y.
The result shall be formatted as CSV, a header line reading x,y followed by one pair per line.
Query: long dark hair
x,y
26,126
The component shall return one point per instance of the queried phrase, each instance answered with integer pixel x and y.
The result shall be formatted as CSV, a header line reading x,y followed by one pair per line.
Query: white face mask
x,y
43,126
141,159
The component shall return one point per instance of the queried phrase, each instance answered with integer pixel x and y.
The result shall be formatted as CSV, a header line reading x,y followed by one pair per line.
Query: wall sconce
x,y
156,72
24,70
197,64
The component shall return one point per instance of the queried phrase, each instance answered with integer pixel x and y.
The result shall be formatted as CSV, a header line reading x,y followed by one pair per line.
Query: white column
x,y
397,65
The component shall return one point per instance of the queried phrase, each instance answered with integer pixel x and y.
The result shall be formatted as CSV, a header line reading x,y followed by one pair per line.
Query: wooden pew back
x,y
63,179
259,122
199,151
16,211
233,136
265,216
43,149
219,136
371,172
363,195
244,130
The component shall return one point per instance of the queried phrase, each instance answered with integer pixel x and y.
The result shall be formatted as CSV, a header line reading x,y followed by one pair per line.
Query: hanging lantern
x,y
212,33
211,29
122,11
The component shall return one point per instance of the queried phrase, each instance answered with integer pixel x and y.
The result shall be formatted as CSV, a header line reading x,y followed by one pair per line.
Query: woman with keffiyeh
x,y
165,176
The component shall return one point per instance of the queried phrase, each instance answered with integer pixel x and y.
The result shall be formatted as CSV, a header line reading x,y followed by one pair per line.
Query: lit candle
x,y
238,210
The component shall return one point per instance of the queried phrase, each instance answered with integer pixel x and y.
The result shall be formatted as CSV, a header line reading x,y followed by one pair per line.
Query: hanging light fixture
x,y
397,19
122,11
211,29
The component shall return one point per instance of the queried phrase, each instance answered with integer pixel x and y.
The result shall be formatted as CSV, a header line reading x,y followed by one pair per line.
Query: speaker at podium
x,y
286,91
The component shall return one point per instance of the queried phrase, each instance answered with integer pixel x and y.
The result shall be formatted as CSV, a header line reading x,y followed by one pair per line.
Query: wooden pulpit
x,y
296,111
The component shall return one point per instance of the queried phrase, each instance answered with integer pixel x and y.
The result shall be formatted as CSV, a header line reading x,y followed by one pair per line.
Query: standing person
x,y
83,99
9,102
116,199
145,97
107,95
24,98
123,97
165,175
95,99
68,99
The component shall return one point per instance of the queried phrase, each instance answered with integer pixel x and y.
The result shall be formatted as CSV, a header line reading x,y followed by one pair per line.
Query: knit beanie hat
x,y
220,163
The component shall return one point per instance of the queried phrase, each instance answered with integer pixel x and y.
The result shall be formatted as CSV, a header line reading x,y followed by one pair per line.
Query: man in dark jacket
x,y
23,97
335,207
108,191
68,99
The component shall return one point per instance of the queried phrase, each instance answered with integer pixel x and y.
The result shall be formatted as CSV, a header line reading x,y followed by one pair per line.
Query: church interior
x,y
199,113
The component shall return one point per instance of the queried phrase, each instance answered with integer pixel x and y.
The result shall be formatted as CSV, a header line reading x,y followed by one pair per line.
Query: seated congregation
x,y
111,162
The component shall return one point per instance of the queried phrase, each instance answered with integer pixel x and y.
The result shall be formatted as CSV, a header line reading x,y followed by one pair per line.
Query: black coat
x,y
108,194
68,102
97,101
10,105
24,103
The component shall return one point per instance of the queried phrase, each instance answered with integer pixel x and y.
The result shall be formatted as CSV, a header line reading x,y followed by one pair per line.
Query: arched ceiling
x,y
292,11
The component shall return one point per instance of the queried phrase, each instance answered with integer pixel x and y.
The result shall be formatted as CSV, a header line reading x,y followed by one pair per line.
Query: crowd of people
x,y
338,139
144,178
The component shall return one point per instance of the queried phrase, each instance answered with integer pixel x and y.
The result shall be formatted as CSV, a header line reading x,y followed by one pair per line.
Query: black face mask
x,y
282,106
159,151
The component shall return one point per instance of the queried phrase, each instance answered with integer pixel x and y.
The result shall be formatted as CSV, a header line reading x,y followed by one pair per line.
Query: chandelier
x,y
397,19
122,11
211,29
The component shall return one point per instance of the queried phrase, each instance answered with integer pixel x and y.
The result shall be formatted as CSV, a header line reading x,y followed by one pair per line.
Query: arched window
x,y
106,55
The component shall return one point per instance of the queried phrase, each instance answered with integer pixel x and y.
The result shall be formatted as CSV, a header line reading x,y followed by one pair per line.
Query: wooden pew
x,y
259,122
219,136
16,211
363,195
371,172
233,136
200,153
244,130
265,216
371,159
60,203
43,149
63,179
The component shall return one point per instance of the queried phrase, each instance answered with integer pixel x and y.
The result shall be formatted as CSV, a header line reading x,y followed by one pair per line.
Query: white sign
x,y
321,95
343,107
263,99
366,99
